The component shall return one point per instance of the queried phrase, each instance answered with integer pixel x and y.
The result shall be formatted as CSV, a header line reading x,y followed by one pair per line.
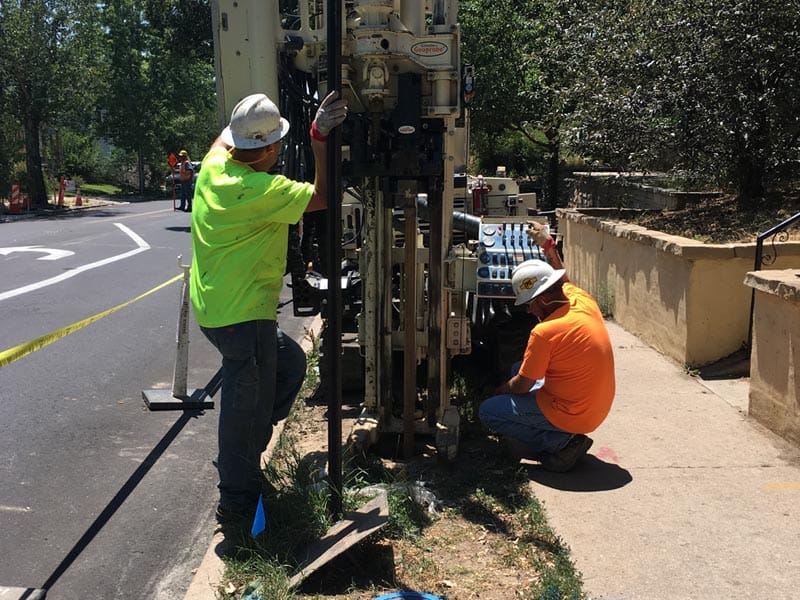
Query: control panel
x,y
502,245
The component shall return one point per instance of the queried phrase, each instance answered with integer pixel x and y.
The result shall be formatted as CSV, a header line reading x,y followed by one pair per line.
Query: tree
x,y
522,66
748,83
706,87
48,70
161,92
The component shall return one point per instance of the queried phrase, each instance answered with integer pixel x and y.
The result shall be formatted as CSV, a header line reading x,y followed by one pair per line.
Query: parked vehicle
x,y
168,180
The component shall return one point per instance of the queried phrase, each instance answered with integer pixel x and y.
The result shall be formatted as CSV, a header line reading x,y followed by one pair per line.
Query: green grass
x,y
605,300
493,495
497,497
104,189
299,513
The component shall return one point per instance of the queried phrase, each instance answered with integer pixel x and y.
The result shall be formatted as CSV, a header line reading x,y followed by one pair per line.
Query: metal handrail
x,y
779,232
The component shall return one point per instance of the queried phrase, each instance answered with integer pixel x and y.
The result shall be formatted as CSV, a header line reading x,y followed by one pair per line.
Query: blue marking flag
x,y
259,521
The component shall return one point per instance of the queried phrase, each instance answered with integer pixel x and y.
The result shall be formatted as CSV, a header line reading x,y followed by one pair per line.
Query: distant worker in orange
x,y
186,177
565,384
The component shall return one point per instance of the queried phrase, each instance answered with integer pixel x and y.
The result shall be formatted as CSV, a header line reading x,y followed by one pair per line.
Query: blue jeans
x,y
186,196
519,417
262,372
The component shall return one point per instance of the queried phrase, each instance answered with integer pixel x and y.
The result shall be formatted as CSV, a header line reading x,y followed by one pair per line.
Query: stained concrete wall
x,y
629,190
775,357
681,296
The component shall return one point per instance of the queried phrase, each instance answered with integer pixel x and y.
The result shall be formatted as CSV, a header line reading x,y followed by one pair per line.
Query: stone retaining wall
x,y
683,297
619,190
775,356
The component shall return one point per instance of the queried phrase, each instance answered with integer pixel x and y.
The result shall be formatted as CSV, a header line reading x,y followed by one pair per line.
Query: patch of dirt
x,y
471,547
722,220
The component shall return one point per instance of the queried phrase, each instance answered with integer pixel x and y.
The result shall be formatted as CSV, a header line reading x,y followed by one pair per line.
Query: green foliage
x,y
19,174
84,157
521,155
406,516
160,97
139,75
9,153
524,63
48,62
605,300
706,87
259,576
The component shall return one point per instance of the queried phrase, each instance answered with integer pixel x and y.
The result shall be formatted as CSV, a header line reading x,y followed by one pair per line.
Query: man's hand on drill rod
x,y
331,113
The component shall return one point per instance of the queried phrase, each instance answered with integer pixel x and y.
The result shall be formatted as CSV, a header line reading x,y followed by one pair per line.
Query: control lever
x,y
483,311
505,309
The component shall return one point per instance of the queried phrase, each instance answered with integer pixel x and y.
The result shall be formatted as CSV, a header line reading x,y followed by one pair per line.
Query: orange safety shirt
x,y
185,173
571,349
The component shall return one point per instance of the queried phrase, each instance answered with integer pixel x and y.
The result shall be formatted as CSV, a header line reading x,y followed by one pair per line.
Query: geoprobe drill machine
x,y
426,259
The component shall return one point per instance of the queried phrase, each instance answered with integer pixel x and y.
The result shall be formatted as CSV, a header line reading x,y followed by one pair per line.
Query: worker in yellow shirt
x,y
240,225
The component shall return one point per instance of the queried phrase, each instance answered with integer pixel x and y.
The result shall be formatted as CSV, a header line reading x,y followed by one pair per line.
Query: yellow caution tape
x,y
17,352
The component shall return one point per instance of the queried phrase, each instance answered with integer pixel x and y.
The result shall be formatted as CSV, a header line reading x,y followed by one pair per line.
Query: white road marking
x,y
4,508
142,247
52,253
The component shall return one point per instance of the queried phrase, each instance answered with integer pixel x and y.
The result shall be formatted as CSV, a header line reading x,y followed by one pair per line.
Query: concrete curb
x,y
6,217
208,575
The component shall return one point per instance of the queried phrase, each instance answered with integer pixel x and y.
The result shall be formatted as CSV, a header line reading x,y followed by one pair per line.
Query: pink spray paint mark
x,y
604,452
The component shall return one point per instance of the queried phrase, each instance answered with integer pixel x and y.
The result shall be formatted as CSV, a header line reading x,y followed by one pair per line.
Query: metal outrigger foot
x,y
177,398
156,399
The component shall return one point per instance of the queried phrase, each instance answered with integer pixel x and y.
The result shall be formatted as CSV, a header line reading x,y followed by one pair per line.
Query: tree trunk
x,y
140,171
749,180
33,162
551,190
751,164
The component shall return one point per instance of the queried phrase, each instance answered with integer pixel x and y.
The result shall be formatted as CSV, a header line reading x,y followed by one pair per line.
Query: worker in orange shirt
x,y
564,386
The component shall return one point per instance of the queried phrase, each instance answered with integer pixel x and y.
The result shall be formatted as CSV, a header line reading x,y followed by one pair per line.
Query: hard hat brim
x,y
528,295
243,143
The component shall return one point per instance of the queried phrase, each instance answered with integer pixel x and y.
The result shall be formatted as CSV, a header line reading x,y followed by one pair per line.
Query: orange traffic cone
x,y
15,202
78,199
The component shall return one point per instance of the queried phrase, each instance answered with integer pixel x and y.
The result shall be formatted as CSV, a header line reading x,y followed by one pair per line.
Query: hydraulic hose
x,y
469,224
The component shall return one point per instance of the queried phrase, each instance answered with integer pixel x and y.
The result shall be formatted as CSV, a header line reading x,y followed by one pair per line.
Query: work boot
x,y
235,529
566,458
517,450
230,517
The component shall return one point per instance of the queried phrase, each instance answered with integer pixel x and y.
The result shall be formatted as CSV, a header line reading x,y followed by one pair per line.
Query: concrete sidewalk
x,y
683,495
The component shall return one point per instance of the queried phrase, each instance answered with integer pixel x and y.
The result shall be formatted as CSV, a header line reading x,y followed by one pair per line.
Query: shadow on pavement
x,y
590,475
121,496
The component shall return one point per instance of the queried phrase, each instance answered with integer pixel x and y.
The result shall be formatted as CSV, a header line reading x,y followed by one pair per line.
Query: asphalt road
x,y
99,497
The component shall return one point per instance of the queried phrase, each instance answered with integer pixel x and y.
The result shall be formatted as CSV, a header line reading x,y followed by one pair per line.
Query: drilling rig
x,y
427,252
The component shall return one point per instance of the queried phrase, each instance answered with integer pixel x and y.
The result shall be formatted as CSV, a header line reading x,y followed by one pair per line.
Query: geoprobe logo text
x,y
429,49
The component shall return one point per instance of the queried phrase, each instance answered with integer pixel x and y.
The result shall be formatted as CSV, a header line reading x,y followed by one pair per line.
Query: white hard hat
x,y
531,278
255,123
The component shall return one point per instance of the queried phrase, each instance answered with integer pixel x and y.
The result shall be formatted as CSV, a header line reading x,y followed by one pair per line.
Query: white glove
x,y
331,113
540,234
